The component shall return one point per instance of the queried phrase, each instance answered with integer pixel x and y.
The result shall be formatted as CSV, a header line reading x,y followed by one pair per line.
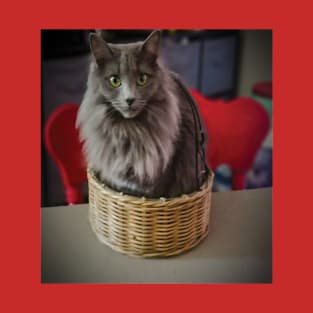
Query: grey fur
x,y
148,148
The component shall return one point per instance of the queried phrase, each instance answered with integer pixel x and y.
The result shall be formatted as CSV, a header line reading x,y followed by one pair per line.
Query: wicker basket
x,y
149,227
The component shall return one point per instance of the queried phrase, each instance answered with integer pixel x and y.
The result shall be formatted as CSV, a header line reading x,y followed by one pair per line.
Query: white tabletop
x,y
237,250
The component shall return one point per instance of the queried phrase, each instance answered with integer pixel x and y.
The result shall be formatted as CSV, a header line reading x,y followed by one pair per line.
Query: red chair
x,y
236,130
62,142
263,89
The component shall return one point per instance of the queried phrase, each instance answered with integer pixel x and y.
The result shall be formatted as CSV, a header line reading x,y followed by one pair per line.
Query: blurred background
x,y
219,64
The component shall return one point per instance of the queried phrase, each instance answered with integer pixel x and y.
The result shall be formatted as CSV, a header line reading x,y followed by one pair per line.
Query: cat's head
x,y
127,73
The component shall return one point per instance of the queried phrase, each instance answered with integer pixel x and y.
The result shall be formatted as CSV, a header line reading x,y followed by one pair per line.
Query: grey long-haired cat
x,y
137,126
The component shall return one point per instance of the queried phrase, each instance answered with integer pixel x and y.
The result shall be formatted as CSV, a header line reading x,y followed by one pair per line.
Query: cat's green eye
x,y
142,79
115,81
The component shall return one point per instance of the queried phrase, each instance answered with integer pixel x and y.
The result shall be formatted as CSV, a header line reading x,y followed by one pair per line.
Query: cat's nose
x,y
130,101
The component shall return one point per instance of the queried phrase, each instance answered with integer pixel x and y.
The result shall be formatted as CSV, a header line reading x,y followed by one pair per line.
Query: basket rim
x,y
105,189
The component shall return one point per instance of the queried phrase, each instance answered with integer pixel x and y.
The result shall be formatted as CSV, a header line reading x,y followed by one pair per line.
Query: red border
x,y
20,131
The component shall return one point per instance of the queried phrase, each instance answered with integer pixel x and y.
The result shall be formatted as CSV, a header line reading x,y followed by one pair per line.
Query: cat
x,y
136,125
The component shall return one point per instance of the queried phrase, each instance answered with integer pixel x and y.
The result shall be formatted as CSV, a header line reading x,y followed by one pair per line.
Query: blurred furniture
x,y
206,60
263,89
262,92
62,142
238,248
261,173
236,130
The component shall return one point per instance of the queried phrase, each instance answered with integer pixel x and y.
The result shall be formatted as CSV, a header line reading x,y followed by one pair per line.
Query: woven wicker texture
x,y
149,227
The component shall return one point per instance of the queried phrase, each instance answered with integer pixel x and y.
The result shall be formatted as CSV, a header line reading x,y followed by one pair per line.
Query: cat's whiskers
x,y
106,102
110,113
116,103
117,107
146,108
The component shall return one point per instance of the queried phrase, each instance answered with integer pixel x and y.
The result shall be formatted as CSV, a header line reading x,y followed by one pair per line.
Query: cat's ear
x,y
151,45
99,48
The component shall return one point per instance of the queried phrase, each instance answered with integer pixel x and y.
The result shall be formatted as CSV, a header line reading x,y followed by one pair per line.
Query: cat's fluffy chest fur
x,y
150,154
129,153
